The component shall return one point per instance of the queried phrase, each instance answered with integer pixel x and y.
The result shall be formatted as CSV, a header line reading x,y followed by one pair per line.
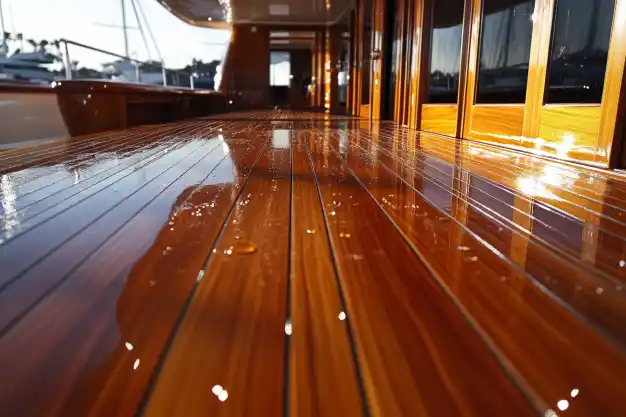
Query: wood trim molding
x,y
613,115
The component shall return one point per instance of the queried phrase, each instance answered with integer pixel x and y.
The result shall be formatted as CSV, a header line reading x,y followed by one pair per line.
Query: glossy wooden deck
x,y
295,264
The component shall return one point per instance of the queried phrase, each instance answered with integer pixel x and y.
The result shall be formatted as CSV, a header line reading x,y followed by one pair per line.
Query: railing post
x,y
137,72
191,83
164,73
68,63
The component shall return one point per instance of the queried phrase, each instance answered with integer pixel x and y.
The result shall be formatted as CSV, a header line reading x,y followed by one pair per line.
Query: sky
x,y
80,20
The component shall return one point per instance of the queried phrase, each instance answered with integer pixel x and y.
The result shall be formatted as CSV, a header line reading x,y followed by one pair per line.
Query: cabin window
x,y
507,29
366,64
445,51
280,69
579,50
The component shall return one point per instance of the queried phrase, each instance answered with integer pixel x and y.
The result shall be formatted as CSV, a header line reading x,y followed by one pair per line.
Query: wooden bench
x,y
78,107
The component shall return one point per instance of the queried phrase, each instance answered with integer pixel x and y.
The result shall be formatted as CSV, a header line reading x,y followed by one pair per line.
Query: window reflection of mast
x,y
593,27
507,36
3,43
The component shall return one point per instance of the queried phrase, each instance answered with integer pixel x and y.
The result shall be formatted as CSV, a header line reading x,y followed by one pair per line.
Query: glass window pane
x,y
505,51
445,51
280,68
579,50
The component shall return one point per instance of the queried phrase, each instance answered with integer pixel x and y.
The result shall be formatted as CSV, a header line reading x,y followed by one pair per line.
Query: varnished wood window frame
x,y
595,127
441,118
493,122
533,126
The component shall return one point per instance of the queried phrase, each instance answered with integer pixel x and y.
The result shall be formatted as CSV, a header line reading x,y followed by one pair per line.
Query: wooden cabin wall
x,y
586,132
247,65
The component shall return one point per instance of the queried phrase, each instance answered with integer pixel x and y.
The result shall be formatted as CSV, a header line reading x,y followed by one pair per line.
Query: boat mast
x,y
124,28
3,44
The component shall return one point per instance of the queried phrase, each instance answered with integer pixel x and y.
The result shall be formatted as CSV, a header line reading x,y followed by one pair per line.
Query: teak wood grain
x,y
292,263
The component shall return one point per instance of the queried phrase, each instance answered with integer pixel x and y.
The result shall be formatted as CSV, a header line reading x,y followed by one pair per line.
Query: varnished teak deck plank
x,y
541,337
415,347
322,375
300,264
228,355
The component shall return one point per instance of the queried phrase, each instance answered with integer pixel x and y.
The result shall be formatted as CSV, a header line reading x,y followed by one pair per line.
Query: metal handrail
x,y
68,62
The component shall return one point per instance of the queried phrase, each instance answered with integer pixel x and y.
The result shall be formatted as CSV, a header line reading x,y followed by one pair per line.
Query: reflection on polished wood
x,y
278,263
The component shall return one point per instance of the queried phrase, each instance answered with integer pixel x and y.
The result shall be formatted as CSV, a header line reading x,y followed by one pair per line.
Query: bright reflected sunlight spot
x,y
574,392
222,396
220,392
128,346
342,316
534,188
563,405
281,139
288,328
136,364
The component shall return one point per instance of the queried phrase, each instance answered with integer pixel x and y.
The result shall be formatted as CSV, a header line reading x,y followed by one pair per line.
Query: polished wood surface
x,y
439,118
247,65
499,124
292,263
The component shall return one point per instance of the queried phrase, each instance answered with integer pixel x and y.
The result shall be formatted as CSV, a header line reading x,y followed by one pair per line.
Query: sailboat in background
x,y
35,67
124,69
24,66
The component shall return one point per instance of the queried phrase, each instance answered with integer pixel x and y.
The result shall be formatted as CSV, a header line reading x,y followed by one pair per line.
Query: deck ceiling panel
x,y
217,13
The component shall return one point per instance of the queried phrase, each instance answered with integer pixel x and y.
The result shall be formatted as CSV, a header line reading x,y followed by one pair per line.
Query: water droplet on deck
x,y
136,364
171,229
311,231
332,213
234,221
563,405
463,248
342,316
599,290
622,263
152,283
357,257
171,223
288,327
472,258
129,346
244,248
345,235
